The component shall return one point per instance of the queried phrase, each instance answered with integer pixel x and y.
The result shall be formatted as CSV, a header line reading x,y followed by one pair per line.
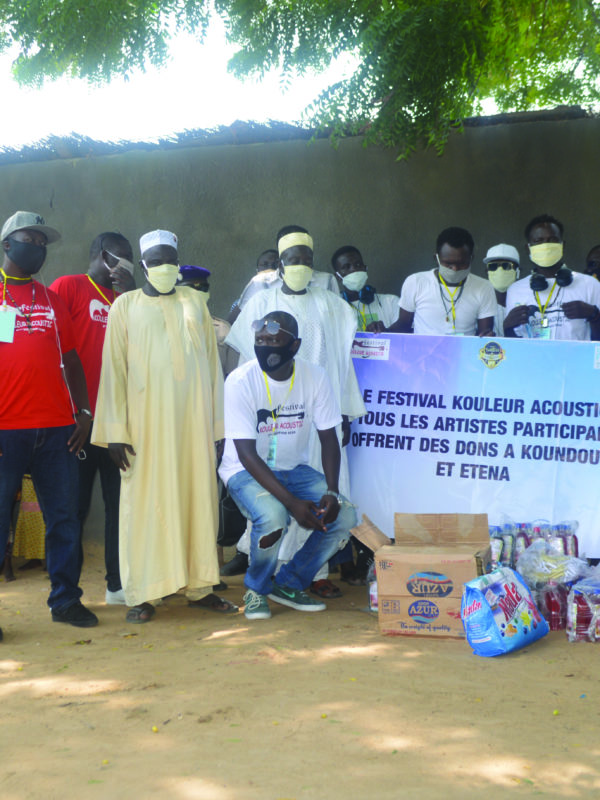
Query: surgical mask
x,y
297,276
28,257
546,254
122,262
162,277
354,281
501,279
453,275
270,358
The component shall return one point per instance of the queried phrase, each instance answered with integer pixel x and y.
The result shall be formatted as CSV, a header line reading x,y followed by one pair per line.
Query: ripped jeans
x,y
268,515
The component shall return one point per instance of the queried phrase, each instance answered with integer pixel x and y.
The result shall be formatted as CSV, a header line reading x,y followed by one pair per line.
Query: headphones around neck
x,y
366,295
539,282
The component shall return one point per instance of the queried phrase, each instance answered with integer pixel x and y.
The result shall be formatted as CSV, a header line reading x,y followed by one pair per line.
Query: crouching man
x,y
271,403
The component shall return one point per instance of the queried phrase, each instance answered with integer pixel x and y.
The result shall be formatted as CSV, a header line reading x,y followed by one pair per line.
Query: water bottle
x,y
554,606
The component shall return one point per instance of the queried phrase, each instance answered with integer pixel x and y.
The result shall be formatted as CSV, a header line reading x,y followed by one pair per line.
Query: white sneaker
x,y
115,598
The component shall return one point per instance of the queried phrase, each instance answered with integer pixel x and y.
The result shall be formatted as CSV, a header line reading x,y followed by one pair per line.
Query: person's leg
x,y
55,478
16,448
269,520
110,479
308,484
87,465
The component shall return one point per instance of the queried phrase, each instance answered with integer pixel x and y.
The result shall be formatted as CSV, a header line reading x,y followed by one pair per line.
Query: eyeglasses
x,y
271,326
494,265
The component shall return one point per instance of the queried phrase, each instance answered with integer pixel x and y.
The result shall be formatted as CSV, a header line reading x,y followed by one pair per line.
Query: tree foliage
x,y
423,65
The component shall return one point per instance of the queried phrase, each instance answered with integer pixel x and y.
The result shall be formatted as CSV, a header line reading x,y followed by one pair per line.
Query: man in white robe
x,y
160,412
327,326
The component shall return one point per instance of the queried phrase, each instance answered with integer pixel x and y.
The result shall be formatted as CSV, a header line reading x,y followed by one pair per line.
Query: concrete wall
x,y
227,202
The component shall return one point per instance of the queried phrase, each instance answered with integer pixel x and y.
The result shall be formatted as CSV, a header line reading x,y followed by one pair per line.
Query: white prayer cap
x,y
155,238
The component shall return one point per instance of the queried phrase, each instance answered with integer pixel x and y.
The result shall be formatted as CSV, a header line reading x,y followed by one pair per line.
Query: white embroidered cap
x,y
154,238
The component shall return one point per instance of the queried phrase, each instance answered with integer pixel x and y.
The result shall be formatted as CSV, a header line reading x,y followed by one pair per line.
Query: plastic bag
x,y
499,615
541,563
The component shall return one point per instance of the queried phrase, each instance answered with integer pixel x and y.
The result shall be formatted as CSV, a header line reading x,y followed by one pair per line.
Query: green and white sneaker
x,y
256,606
295,598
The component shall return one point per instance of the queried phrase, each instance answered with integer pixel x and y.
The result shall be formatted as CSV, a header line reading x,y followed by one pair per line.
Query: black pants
x,y
98,460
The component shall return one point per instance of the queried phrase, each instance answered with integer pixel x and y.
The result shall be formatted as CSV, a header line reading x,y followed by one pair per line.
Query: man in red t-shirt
x,y
88,298
44,415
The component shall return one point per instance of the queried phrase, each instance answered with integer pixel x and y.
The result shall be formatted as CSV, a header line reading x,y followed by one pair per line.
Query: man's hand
x,y
118,453
519,315
331,508
122,279
307,514
376,327
79,435
577,309
219,448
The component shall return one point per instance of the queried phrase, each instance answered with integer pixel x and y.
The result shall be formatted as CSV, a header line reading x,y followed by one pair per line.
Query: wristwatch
x,y
337,496
85,411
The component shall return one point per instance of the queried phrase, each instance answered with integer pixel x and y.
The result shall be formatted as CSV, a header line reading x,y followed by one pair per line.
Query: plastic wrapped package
x,y
583,610
540,564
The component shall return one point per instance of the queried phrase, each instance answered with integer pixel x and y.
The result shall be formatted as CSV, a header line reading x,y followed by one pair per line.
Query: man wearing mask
x,y
502,266
327,326
272,403
554,302
448,300
159,412
374,311
45,414
88,299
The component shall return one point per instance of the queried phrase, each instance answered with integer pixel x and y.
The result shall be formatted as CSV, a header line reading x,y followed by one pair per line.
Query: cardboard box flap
x,y
441,529
369,534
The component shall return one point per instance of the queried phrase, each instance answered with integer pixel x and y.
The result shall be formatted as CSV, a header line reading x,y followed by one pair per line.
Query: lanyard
x,y
100,292
452,295
362,317
6,290
545,306
273,414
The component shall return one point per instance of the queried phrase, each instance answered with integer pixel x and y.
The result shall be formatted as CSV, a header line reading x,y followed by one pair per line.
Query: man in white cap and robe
x,y
160,412
327,326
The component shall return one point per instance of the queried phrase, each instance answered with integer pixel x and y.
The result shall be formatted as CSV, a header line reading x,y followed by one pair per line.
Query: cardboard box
x,y
420,577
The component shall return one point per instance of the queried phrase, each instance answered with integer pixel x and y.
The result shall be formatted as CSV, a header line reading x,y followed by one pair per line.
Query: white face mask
x,y
546,254
297,276
501,279
162,277
354,281
122,262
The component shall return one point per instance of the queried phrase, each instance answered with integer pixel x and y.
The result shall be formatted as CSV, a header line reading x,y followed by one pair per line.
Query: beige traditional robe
x,y
161,391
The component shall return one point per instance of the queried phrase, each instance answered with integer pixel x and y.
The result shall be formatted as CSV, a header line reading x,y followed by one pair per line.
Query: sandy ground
x,y
196,706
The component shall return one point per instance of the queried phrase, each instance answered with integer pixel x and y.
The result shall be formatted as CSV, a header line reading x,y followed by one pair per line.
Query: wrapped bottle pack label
x,y
499,614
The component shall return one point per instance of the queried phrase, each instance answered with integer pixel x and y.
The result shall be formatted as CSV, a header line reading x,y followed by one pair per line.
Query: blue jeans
x,y
43,452
268,515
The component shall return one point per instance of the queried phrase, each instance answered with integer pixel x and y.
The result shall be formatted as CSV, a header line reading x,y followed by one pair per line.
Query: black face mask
x,y
271,358
28,257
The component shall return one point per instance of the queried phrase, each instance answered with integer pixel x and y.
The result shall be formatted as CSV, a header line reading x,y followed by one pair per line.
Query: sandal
x,y
213,602
142,613
325,589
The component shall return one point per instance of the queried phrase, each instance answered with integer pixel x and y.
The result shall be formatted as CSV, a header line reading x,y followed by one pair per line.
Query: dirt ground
x,y
199,706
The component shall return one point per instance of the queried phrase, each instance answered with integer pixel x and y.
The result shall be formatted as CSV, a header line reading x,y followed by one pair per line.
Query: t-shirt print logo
x,y
263,415
99,311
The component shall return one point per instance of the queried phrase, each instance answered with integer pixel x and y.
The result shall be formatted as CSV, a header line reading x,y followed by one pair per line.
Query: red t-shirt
x,y
34,393
88,307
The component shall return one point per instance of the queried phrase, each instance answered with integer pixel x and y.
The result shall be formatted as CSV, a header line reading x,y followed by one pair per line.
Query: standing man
x,y
159,413
88,299
447,300
43,393
374,311
271,405
554,302
502,266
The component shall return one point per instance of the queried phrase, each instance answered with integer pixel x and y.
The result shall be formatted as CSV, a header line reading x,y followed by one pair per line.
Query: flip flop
x,y
139,614
325,589
215,603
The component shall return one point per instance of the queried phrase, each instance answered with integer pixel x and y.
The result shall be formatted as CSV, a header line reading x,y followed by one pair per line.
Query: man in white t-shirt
x,y
554,302
271,405
448,300
374,311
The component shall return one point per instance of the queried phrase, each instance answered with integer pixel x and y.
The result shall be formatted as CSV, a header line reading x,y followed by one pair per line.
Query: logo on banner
x,y
492,354
423,611
429,584
373,349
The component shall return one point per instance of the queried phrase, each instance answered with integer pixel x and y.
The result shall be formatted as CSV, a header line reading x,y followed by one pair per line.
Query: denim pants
x,y
268,515
97,459
43,452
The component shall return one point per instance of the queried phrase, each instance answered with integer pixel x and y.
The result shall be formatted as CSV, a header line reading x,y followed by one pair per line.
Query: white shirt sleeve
x,y
489,306
408,295
240,410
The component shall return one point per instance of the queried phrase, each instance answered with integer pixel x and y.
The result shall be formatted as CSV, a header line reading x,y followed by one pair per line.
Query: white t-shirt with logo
x,y
583,287
425,296
291,413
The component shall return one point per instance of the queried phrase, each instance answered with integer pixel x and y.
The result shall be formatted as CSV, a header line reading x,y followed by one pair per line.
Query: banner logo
x,y
492,354
375,349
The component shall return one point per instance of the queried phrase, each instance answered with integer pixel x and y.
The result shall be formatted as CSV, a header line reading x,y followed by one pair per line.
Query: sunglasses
x,y
494,265
271,326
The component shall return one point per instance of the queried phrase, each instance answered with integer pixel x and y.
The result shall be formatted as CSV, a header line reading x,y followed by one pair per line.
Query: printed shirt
x,y
34,393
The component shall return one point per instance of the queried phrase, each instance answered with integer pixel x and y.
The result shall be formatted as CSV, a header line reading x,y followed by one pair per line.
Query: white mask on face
x,y
452,276
546,254
162,277
354,281
297,276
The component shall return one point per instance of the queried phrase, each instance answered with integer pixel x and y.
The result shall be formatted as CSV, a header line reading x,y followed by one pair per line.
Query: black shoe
x,y
220,587
76,614
237,566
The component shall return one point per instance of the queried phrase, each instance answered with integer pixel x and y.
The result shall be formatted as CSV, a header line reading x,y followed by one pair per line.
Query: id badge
x,y
543,333
272,452
8,320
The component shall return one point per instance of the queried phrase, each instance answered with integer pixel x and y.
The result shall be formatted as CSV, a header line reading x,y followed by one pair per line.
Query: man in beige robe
x,y
160,412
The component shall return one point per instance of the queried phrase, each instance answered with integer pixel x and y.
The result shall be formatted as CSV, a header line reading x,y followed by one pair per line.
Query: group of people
x,y
102,377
